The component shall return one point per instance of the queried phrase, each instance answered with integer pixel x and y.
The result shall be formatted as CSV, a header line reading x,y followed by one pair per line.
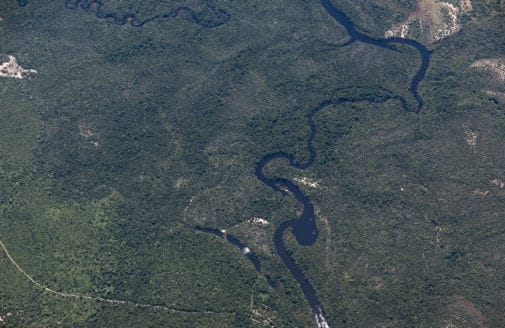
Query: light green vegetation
x,y
128,137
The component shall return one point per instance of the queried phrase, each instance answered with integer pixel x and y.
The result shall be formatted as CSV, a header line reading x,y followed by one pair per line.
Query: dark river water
x,y
235,242
211,18
304,227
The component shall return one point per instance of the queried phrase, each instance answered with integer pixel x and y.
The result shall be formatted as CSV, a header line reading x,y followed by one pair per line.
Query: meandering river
x,y
304,228
213,18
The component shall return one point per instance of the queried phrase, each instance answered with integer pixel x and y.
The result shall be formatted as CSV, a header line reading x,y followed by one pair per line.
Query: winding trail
x,y
101,299
219,17
304,228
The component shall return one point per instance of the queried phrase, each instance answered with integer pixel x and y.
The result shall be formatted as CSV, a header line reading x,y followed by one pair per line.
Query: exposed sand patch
x,y
377,283
463,313
498,182
450,25
256,232
432,21
308,182
186,209
86,132
438,230
466,6
12,69
3,317
259,221
481,193
262,315
499,95
494,65
402,29
471,137
180,182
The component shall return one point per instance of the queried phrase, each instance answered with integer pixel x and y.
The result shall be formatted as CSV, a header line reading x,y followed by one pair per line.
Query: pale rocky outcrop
x,y
494,65
259,221
496,68
471,137
12,69
307,182
435,20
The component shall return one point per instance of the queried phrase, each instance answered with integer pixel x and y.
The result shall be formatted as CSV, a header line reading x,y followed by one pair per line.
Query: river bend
x,y
304,227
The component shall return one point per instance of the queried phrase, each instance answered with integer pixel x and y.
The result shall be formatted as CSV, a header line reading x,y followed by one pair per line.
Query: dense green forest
x,y
127,137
